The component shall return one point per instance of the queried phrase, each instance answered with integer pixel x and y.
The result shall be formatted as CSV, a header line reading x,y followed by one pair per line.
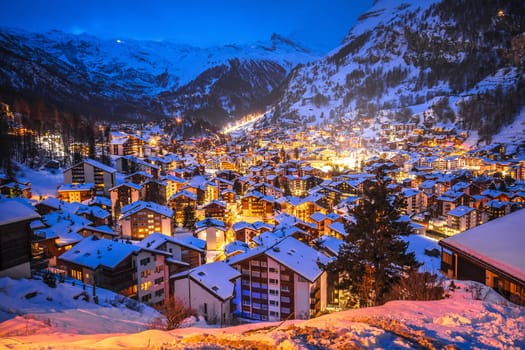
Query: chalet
x,y
229,197
131,164
462,218
450,200
491,253
281,281
92,171
215,209
124,194
183,254
496,209
123,144
266,189
16,189
15,238
138,177
59,232
245,232
258,205
413,201
155,191
124,268
302,208
235,247
209,289
95,214
139,219
173,184
179,202
102,231
223,184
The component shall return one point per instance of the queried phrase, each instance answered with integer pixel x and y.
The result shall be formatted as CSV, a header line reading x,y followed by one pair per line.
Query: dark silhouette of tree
x,y
189,217
237,187
373,257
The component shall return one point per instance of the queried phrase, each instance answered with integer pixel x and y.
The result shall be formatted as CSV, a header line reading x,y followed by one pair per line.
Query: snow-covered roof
x,y
240,225
499,243
210,222
338,227
216,277
76,187
156,239
299,257
100,165
93,252
330,243
127,184
13,211
137,206
236,246
460,211
104,229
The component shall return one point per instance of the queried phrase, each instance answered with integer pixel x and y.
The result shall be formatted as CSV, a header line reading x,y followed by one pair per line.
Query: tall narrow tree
x,y
373,256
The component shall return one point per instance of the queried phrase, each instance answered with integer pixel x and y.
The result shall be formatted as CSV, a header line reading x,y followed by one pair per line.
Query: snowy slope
x,y
461,320
411,55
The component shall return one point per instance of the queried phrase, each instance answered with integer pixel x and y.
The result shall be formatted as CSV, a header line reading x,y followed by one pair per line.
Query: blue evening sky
x,y
315,23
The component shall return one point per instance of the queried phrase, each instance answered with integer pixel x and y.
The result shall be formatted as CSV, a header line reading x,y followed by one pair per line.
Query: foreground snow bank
x,y
472,316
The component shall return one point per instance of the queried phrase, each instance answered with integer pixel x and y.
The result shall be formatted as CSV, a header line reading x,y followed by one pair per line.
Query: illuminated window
x,y
145,285
77,274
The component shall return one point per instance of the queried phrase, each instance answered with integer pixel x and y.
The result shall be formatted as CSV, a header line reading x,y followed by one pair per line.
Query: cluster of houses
x,y
244,227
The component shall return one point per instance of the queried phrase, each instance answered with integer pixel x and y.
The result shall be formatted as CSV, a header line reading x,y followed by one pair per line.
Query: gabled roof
x,y
76,187
460,211
183,193
12,211
330,243
498,243
156,239
137,206
299,257
338,227
127,184
93,252
96,164
216,277
210,222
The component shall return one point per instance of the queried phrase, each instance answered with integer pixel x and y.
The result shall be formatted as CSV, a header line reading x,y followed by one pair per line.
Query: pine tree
x,y
189,217
374,256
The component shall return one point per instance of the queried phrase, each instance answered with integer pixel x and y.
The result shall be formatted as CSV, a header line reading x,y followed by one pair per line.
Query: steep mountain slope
x,y
465,58
126,78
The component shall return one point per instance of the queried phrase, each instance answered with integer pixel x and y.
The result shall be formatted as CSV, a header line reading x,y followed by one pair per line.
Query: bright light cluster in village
x,y
236,224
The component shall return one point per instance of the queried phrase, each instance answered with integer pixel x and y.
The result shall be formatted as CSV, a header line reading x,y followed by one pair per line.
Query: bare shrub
x,y
174,312
476,290
415,285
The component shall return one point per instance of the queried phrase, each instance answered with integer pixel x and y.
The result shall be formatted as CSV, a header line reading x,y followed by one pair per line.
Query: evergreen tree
x,y
189,217
237,187
374,256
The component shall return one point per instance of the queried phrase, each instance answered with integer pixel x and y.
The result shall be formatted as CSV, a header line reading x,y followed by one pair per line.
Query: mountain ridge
x,y
415,55
61,68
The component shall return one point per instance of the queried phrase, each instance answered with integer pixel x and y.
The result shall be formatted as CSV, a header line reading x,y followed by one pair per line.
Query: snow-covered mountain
x,y
404,57
121,78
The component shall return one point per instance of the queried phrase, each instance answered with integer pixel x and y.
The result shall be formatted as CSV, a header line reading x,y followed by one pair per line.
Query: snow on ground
x,y
63,310
43,182
418,244
471,317
513,133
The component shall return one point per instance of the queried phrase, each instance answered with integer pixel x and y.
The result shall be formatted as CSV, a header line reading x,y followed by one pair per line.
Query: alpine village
x,y
274,184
